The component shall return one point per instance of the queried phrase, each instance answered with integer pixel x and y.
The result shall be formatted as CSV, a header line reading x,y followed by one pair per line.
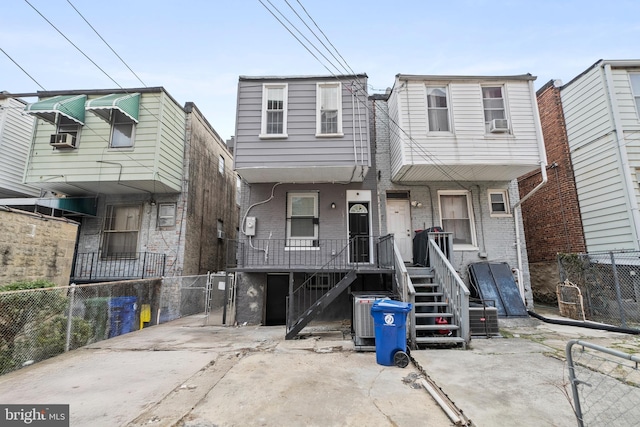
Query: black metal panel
x,y
494,283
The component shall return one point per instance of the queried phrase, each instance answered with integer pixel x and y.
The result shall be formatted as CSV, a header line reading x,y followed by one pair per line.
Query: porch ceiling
x,y
304,174
421,173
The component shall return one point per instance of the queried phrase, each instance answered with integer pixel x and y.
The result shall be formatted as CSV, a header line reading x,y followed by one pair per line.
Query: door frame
x,y
356,196
407,203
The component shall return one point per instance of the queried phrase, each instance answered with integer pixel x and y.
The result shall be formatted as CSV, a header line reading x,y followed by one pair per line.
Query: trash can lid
x,y
390,305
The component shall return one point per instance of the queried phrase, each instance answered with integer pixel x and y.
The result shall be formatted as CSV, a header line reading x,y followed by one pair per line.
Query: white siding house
x,y
602,111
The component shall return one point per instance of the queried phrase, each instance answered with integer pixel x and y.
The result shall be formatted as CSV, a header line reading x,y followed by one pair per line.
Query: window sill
x,y
301,248
436,133
330,135
273,136
463,247
501,215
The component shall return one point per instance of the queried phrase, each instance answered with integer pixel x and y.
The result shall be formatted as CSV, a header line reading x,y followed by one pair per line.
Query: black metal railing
x,y
92,266
339,254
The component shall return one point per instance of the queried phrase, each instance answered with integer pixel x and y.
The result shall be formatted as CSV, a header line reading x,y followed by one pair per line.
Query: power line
x,y
105,42
23,70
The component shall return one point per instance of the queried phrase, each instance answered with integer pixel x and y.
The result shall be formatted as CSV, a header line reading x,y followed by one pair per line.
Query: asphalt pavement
x,y
183,373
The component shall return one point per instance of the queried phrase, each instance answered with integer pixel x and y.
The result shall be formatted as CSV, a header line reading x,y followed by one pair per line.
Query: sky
x,y
197,49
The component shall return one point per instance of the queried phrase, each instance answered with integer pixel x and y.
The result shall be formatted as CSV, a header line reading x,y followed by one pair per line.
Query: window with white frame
x,y
457,217
122,130
302,219
499,203
438,109
635,88
494,109
166,215
221,165
274,111
120,231
329,109
66,125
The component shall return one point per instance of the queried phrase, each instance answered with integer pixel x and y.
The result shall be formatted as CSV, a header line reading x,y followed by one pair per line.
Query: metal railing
x,y
94,266
455,291
605,385
289,254
609,284
407,292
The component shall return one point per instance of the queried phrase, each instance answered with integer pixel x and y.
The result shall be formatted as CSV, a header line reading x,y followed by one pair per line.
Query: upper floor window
x,y
67,125
302,219
122,127
438,109
457,217
274,110
495,118
329,109
499,203
120,231
635,88
221,165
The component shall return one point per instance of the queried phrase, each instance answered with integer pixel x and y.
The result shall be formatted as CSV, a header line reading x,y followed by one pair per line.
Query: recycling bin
x,y
390,319
122,315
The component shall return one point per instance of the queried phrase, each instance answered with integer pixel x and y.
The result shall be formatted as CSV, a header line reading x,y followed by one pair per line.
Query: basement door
x,y
276,299
399,224
359,232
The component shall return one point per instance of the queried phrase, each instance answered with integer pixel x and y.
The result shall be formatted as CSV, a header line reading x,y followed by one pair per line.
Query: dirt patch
x,y
544,280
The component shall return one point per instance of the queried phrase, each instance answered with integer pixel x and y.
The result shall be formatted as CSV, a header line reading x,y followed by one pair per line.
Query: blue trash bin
x,y
389,319
122,315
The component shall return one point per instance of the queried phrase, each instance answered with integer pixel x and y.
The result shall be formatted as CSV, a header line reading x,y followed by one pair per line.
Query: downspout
x,y
543,171
632,202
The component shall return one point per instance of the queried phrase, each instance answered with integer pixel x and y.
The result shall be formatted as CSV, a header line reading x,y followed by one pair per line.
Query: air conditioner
x,y
63,140
483,321
220,234
499,126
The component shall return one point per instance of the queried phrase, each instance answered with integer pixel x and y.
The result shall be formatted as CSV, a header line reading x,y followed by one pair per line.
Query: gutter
x,y
543,170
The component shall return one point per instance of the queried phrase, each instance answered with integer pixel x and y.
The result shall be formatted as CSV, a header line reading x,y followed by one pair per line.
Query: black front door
x,y
276,300
359,231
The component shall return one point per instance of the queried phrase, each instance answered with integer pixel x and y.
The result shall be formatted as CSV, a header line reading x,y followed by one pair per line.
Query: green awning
x,y
71,106
128,104
73,206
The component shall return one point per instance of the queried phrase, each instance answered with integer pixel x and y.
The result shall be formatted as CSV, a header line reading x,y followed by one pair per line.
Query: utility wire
x,y
105,42
23,70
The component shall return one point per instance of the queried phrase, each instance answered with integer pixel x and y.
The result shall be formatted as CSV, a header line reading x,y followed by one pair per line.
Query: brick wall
x,y
552,216
35,247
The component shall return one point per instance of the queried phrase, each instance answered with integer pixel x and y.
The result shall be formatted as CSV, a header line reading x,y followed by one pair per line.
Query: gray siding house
x,y
309,211
448,152
148,180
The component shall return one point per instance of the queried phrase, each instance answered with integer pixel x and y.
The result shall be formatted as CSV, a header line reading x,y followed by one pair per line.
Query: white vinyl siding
x,y
467,153
456,216
274,111
329,109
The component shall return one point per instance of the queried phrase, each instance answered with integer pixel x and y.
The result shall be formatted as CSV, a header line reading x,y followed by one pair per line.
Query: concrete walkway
x,y
185,374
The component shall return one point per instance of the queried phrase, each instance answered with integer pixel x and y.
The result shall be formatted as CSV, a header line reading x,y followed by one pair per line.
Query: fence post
x,y
616,282
70,317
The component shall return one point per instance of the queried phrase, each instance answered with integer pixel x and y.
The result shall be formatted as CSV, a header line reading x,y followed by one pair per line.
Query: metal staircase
x,y
310,312
431,311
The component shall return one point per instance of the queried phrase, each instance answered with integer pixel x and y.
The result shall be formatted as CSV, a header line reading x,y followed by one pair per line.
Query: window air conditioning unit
x,y
220,234
63,140
499,126
483,321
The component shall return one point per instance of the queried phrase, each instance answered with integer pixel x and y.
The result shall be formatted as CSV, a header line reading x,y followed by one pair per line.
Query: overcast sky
x,y
196,49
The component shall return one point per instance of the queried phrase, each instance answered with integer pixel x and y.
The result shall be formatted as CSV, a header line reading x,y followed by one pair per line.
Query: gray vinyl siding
x,y
301,148
467,143
156,156
15,140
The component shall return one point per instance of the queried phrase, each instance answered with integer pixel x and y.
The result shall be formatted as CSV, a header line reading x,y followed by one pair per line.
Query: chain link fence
x,y
608,284
605,385
36,324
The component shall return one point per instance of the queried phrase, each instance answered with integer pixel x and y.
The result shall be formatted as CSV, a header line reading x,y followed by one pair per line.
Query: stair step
x,y
437,327
439,340
430,304
429,294
418,315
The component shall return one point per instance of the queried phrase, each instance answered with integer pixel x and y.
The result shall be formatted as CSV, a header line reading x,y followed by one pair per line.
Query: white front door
x,y
399,224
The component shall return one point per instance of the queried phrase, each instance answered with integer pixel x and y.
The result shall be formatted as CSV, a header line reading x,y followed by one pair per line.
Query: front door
x,y
359,231
399,224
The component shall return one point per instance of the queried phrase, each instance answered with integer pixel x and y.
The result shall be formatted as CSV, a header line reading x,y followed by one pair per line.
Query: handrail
x,y
406,290
454,289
